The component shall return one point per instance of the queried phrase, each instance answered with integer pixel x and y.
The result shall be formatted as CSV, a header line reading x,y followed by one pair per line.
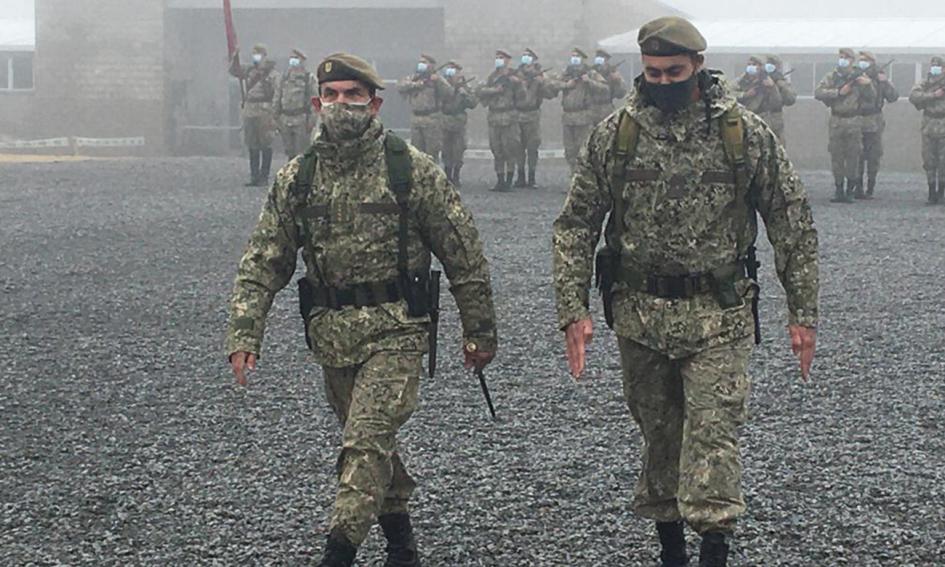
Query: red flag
x,y
231,43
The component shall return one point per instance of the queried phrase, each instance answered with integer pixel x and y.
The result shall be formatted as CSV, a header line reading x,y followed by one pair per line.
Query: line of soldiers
x,y
513,97
764,89
274,102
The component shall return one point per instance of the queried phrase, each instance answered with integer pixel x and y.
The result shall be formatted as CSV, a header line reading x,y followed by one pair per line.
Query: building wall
x,y
99,69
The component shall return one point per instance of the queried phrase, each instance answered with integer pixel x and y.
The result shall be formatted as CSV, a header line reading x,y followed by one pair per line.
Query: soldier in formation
x,y
683,171
498,95
846,92
604,102
424,91
535,89
459,99
764,90
580,85
929,97
874,123
260,81
294,105
367,210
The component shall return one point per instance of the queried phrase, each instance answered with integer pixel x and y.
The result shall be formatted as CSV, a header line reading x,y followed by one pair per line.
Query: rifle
x,y
751,268
485,391
434,318
232,46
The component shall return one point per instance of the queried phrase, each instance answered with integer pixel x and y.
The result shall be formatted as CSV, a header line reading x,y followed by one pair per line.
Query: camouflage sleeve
x,y
618,87
578,227
469,98
407,85
783,205
920,97
597,85
449,230
868,91
774,102
277,97
890,92
266,267
443,88
827,91
788,94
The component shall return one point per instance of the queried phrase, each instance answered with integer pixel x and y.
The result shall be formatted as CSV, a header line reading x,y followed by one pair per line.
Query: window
x,y
16,71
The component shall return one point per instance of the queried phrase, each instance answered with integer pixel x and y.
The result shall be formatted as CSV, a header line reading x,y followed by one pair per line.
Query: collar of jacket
x,y
360,151
721,100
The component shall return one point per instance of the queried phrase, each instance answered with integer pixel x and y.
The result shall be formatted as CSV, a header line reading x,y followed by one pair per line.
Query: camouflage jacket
x,y
764,99
498,95
424,93
457,101
680,217
294,94
828,92
261,82
535,90
346,226
577,98
932,107
617,87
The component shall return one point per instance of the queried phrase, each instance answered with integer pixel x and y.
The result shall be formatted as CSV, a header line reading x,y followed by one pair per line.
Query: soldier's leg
x,y
251,140
416,136
449,153
267,135
873,155
940,168
853,158
520,155
460,155
372,479
835,147
715,385
532,146
569,134
434,137
498,159
288,139
653,390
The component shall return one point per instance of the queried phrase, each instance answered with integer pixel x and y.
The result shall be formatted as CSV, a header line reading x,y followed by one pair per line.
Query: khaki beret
x,y
670,35
454,64
260,48
775,59
602,53
428,58
298,53
347,67
937,60
868,55
528,51
502,53
847,52
757,59
579,52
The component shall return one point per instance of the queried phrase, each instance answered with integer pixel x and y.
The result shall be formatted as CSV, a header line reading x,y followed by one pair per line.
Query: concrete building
x,y
809,48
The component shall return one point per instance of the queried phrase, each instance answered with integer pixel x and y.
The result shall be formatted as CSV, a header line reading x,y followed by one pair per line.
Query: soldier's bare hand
x,y
803,343
751,92
863,80
768,82
939,93
577,335
477,360
845,89
881,77
241,362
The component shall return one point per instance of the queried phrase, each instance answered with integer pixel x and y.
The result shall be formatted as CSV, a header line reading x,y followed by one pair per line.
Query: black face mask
x,y
669,98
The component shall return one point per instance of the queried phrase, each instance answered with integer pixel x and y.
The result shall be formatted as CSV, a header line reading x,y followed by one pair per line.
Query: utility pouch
x,y
605,272
723,288
306,304
417,293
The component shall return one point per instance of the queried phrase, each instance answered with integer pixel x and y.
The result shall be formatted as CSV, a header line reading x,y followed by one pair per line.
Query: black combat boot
x,y
509,175
870,187
858,189
714,549
401,544
265,167
521,182
456,181
838,196
852,188
253,168
531,178
672,544
339,551
933,194
500,185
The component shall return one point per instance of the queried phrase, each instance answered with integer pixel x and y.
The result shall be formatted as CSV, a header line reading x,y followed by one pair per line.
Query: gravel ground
x,y
124,440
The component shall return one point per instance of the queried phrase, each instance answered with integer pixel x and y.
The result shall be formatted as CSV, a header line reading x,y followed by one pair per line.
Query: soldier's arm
x,y
827,91
618,86
920,97
443,88
448,228
775,102
788,94
578,227
597,85
784,208
237,70
408,85
277,96
890,92
266,267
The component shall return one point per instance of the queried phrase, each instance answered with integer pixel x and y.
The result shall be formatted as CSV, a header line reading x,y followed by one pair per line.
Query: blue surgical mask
x,y
499,63
422,67
575,60
599,61
770,68
257,57
843,63
935,70
864,65
751,69
294,61
527,60
450,72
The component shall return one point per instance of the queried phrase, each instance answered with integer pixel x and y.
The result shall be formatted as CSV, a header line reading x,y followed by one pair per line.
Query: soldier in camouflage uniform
x,y
929,97
845,90
294,105
874,124
260,79
498,94
459,99
424,91
579,86
618,87
680,234
367,248
765,93
528,100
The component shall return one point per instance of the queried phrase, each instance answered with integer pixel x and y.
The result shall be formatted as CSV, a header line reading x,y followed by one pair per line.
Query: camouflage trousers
x,y
530,136
426,134
295,135
688,411
846,147
454,146
259,131
574,138
775,121
504,141
933,157
372,401
872,154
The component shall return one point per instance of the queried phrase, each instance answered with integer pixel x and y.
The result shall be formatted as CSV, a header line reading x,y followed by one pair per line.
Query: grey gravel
x,y
124,440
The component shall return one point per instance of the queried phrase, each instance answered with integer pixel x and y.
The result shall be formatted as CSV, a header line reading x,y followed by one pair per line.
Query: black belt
x,y
871,112
680,286
423,112
369,294
846,115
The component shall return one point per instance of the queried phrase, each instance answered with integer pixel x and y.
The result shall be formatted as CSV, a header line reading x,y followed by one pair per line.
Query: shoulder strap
x,y
303,179
625,148
733,139
399,173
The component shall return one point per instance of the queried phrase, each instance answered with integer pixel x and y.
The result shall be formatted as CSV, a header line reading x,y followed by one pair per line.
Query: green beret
x,y
847,52
298,53
668,36
868,55
428,58
602,53
528,51
776,60
260,48
347,67
757,59
579,52
502,53
937,60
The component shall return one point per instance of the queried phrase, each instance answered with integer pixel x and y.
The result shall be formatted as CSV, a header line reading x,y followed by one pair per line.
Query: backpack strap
x,y
733,139
625,148
399,173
